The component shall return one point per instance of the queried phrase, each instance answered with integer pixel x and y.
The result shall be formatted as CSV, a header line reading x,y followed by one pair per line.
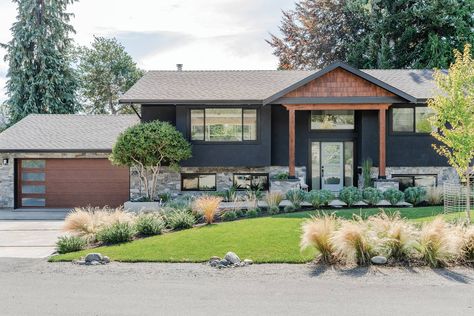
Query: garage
x,y
61,183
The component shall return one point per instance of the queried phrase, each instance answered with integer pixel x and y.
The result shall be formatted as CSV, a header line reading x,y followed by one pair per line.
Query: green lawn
x,y
266,239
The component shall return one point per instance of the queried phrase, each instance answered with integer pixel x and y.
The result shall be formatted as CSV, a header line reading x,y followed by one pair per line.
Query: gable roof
x,y
264,86
65,132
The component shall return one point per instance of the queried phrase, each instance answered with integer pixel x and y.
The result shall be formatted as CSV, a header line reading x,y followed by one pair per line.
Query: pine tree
x,y
40,76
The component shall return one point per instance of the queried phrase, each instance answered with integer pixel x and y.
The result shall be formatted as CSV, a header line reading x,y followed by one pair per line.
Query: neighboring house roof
x,y
65,132
263,86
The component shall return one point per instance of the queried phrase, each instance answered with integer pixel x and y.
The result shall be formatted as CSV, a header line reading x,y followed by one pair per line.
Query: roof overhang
x,y
338,64
186,102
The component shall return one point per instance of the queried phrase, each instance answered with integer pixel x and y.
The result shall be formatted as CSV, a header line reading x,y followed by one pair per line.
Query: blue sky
x,y
201,34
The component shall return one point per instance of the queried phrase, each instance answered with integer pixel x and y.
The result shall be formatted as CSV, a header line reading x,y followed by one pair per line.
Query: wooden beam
x,y
382,142
291,145
341,106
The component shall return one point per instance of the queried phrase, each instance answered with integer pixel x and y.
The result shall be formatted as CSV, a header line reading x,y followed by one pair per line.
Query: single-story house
x,y
245,127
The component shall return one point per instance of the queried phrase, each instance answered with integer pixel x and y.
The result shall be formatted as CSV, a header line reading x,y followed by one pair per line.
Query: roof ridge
x,y
234,70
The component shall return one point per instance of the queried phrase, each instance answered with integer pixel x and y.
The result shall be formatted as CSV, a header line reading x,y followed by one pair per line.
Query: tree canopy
x,y
454,115
149,146
106,71
373,33
40,76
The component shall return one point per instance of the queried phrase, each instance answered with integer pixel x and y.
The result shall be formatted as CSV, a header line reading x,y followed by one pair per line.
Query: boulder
x,y
232,257
105,259
384,203
379,260
224,262
337,203
93,257
213,263
248,261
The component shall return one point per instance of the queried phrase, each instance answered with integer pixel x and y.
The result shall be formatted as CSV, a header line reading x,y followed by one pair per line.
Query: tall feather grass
x,y
468,245
207,206
317,233
354,242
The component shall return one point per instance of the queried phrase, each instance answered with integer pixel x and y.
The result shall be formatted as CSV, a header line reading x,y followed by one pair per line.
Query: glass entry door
x,y
332,166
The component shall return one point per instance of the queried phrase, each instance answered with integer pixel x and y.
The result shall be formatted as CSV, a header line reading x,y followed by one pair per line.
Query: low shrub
x,y
350,195
67,244
180,219
282,176
436,243
273,210
149,224
372,195
396,237
116,233
353,242
229,216
296,197
434,195
393,195
317,233
252,213
290,208
415,195
274,199
319,198
184,202
207,206
239,213
164,197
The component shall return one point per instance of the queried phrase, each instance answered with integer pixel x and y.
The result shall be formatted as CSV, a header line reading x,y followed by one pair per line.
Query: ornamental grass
x,y
317,233
207,206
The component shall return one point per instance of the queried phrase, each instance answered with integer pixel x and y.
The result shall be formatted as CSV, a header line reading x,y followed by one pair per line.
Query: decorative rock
x,y
248,261
337,203
214,263
214,258
80,262
384,203
93,257
224,262
379,260
360,203
94,263
404,204
232,257
105,259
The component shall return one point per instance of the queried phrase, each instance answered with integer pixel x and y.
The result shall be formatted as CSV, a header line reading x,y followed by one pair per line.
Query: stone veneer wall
x,y
7,177
170,182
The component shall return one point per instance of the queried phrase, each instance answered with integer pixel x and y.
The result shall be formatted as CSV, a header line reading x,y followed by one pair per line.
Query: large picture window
x,y
412,120
198,182
332,120
223,124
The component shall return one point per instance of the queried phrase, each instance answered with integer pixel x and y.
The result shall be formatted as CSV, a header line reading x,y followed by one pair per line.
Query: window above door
x,y
332,120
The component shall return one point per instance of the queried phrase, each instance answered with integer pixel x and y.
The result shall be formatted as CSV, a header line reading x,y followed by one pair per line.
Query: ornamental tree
x,y
148,147
454,116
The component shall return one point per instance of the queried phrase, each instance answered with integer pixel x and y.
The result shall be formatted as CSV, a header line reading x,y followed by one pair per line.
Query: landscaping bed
x,y
268,239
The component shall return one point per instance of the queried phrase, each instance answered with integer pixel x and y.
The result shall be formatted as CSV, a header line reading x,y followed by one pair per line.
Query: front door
x,y
332,166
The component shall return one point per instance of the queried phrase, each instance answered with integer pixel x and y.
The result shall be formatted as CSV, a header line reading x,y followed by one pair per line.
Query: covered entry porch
x,y
329,150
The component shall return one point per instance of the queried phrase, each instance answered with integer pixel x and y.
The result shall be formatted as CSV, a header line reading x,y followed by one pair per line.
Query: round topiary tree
x,y
147,147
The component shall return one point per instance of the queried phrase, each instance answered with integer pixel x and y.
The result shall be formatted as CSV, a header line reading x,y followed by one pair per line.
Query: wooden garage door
x,y
57,183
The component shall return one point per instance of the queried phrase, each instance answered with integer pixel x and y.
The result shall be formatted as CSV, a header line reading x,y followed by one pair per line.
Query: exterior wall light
x,y
5,161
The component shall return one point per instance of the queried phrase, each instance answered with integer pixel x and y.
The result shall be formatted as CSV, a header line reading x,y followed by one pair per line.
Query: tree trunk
x,y
468,198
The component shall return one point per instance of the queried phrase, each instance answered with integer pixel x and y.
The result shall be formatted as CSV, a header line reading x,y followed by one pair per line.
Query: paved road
x,y
28,239
34,287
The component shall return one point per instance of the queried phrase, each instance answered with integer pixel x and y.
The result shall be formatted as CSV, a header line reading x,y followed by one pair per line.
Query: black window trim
x,y
410,133
252,174
197,174
242,107
413,175
352,130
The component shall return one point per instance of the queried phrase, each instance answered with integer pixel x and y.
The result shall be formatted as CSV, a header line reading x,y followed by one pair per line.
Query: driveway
x,y
28,238
36,287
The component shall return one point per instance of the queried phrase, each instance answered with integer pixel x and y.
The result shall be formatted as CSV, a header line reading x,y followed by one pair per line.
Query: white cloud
x,y
201,34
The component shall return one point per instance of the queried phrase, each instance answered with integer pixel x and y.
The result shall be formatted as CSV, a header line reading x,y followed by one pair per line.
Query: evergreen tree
x,y
106,71
374,33
40,76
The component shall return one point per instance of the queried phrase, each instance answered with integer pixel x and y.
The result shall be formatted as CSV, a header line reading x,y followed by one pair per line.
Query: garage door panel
x,y
82,182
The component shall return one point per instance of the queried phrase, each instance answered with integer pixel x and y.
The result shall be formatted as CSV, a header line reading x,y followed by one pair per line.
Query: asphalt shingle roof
x,y
63,132
253,85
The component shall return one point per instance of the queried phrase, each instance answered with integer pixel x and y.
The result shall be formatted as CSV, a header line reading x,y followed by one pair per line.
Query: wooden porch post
x,y
291,145
382,143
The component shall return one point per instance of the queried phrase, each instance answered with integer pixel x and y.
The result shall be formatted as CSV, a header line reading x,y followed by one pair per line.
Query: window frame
x,y
322,130
252,174
413,176
242,108
413,131
197,174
